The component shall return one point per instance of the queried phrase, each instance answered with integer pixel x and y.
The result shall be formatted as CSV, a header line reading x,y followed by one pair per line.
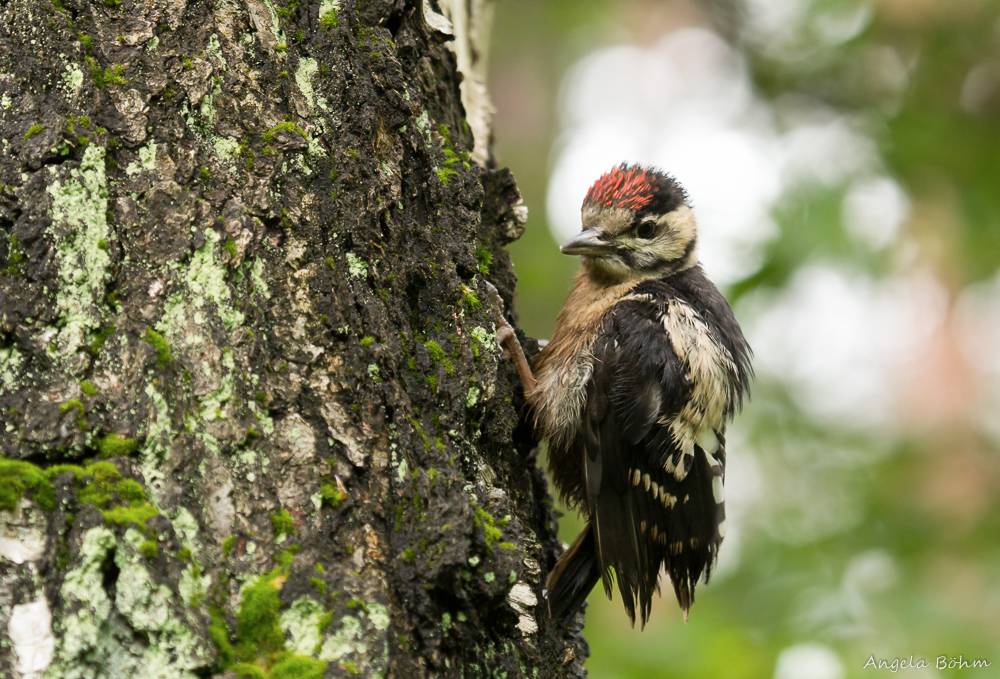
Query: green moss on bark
x,y
282,523
125,516
18,478
330,495
114,445
163,356
149,549
81,412
258,649
257,620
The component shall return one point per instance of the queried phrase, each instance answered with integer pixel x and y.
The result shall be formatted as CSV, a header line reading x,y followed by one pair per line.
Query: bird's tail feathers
x,y
695,525
575,574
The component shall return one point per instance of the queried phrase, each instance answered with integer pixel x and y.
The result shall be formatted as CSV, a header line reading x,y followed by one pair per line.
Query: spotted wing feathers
x,y
645,512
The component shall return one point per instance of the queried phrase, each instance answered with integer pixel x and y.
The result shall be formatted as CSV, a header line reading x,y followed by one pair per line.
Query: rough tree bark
x,y
254,421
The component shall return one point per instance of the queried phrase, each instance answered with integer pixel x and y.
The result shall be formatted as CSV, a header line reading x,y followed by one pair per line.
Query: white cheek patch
x,y
676,230
682,222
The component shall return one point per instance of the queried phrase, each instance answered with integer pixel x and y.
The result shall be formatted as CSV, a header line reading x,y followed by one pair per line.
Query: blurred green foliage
x,y
881,540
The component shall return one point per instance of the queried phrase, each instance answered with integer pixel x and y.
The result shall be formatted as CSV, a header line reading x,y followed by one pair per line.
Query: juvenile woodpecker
x,y
633,393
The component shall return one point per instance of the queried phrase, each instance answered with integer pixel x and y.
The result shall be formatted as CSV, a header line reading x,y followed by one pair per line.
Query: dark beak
x,y
586,243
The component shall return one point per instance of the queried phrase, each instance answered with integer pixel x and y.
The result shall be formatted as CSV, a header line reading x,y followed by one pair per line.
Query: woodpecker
x,y
633,393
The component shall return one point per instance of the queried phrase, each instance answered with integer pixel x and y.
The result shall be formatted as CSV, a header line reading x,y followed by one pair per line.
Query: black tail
x,y
575,574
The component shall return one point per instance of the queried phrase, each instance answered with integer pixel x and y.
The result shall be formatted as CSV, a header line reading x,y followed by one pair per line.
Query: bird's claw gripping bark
x,y
507,339
504,335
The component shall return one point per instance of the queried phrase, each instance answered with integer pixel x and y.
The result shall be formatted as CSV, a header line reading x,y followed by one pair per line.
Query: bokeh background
x,y
843,158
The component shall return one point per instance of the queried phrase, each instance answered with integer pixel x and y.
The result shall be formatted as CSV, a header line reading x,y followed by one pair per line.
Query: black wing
x,y
641,516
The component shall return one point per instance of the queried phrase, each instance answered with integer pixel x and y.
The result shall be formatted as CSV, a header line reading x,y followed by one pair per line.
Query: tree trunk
x,y
253,417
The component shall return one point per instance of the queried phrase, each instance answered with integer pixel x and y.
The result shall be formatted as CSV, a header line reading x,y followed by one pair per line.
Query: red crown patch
x,y
628,187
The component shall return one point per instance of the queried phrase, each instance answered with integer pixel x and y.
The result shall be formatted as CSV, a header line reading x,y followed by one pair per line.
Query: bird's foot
x,y
507,339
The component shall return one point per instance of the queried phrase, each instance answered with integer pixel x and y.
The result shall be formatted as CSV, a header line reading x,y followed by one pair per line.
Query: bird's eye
x,y
645,230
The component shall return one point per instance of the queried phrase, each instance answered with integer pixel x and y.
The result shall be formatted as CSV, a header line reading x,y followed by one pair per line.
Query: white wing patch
x,y
709,442
718,491
711,370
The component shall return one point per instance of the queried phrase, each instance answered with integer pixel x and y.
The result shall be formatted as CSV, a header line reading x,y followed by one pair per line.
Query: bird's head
x,y
636,224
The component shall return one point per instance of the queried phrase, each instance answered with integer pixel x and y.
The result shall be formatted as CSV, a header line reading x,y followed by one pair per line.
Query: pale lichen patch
x,y
257,277
316,149
187,529
302,623
378,615
344,641
279,35
84,586
81,203
22,533
303,78
72,79
147,160
402,470
301,162
193,586
206,280
226,149
266,421
207,108
149,608
159,427
202,126
424,125
472,397
214,403
486,339
174,320
11,361
214,49
357,267
147,155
